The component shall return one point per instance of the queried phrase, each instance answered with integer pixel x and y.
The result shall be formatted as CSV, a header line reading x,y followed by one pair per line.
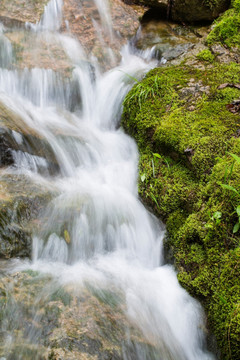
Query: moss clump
x,y
226,29
185,133
206,55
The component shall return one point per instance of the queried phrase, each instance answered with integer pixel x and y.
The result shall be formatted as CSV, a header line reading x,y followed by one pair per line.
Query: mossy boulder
x,y
187,129
226,29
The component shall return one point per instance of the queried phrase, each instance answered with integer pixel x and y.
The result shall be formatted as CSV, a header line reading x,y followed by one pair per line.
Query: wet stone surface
x,y
172,42
20,204
21,10
67,322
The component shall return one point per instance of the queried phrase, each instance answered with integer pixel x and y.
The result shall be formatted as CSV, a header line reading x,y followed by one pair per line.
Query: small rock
x,y
191,108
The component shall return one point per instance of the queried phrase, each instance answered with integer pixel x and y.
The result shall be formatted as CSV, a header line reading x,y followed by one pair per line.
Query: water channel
x,y
94,235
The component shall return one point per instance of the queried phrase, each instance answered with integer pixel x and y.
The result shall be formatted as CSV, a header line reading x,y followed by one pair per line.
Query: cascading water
x,y
95,230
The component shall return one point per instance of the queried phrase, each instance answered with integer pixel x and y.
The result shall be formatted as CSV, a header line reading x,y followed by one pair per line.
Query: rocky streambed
x,y
185,122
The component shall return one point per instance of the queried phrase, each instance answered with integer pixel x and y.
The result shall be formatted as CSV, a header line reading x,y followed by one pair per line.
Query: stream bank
x,y
86,227
186,121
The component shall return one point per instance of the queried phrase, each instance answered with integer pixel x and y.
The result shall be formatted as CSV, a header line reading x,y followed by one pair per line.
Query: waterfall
x,y
95,230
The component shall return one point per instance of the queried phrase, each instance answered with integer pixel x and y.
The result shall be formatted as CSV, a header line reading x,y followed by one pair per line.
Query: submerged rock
x,y
70,322
17,136
119,21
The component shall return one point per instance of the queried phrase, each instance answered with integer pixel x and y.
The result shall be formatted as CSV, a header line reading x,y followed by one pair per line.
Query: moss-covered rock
x,y
226,29
184,123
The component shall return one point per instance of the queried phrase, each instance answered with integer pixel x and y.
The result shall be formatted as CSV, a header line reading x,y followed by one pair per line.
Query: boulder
x,y
20,11
190,11
197,10
20,203
71,322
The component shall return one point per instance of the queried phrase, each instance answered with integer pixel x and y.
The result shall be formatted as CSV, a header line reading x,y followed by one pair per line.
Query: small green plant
x,y
144,91
237,225
162,158
205,55
143,177
153,197
215,219
227,177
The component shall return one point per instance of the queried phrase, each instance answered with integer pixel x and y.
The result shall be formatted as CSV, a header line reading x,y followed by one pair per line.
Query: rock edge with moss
x,y
186,133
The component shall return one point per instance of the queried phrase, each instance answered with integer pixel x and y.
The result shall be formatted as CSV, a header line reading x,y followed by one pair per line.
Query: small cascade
x,y
94,233
6,53
51,19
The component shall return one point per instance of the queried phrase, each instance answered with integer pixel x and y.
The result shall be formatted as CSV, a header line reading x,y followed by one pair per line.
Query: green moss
x,y
206,55
226,29
185,121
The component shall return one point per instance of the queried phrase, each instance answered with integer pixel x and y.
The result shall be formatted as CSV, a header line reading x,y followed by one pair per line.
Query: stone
x,y
68,322
21,201
189,11
20,11
197,10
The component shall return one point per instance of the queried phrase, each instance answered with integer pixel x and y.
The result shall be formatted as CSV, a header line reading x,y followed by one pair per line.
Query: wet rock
x,y
70,322
12,22
189,11
172,43
21,11
15,135
6,157
20,204
197,10
175,52
83,20
225,55
32,51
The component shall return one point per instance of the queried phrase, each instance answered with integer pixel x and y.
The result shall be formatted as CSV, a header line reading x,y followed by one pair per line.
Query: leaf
x,y
229,187
238,210
222,299
153,168
157,155
236,227
217,215
143,177
155,200
67,237
237,158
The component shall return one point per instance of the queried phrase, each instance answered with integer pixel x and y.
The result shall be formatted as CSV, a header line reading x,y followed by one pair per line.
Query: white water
x,y
112,239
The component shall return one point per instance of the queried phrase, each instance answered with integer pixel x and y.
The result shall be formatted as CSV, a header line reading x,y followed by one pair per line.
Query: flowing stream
x,y
95,230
